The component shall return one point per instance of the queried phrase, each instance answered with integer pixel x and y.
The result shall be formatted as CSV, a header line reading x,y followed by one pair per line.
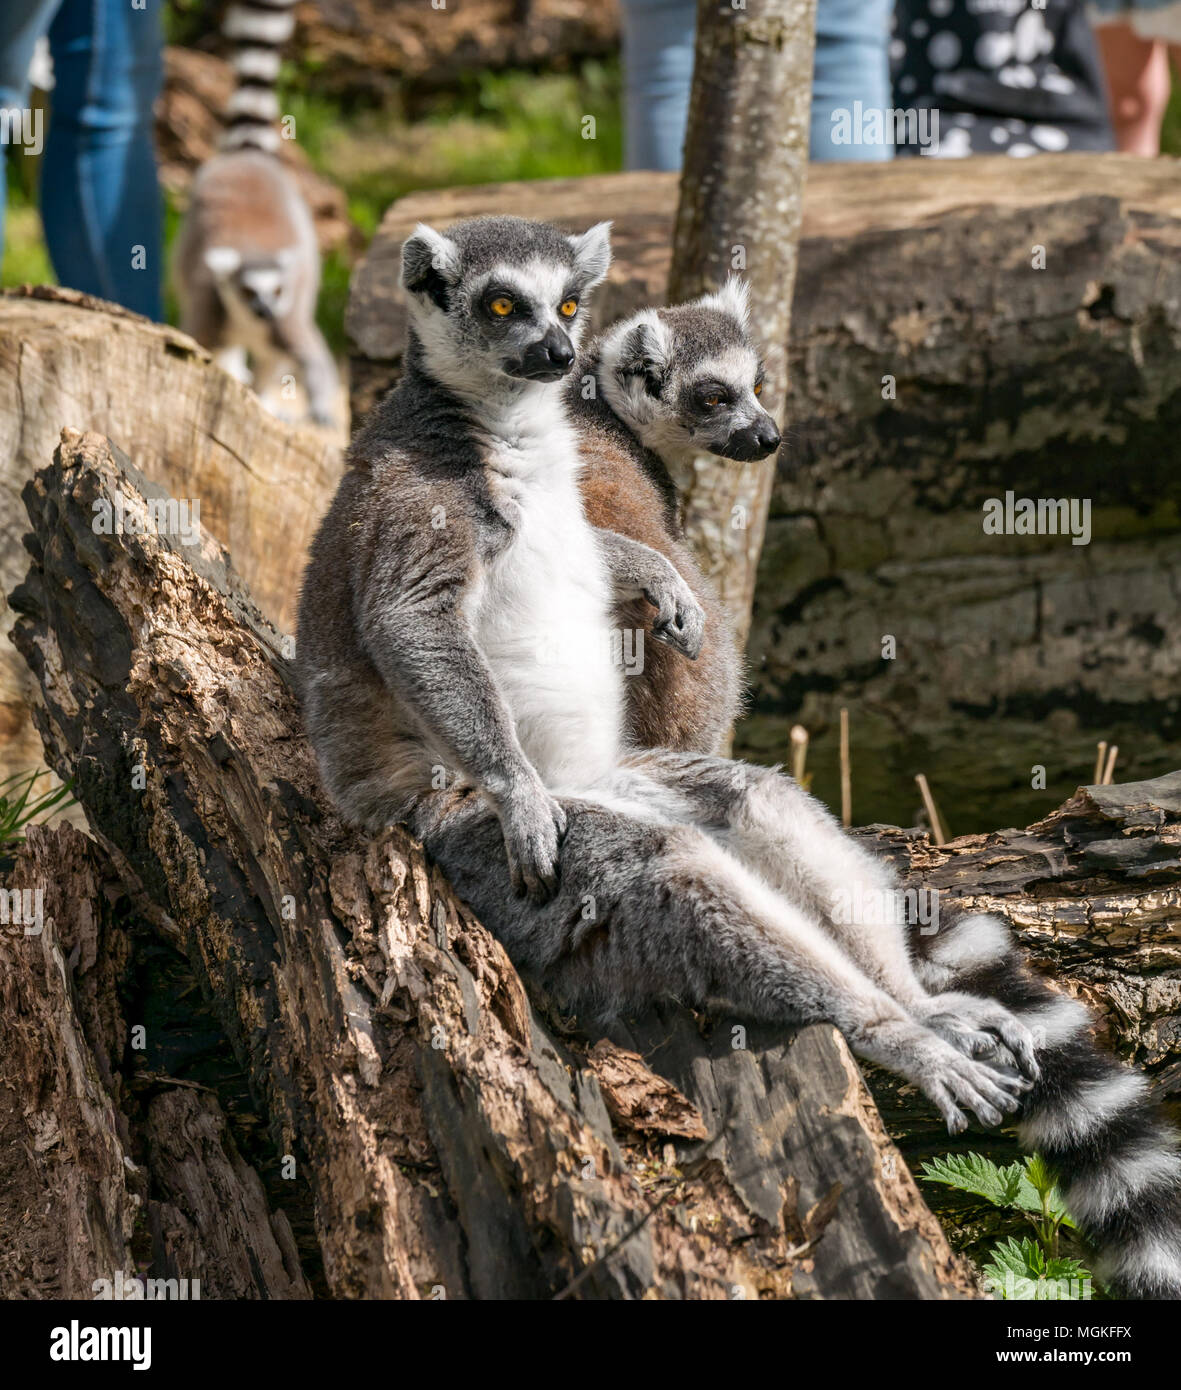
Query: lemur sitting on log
x,y
456,667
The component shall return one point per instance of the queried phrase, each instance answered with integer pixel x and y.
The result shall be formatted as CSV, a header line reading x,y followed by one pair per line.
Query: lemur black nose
x,y
546,359
558,348
767,435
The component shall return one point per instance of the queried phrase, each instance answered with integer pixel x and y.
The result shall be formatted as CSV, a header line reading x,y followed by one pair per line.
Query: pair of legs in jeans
x,y
851,65
100,198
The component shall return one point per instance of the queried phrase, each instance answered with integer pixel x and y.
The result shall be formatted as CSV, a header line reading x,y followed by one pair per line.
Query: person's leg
x,y
658,70
1138,83
852,65
22,23
100,198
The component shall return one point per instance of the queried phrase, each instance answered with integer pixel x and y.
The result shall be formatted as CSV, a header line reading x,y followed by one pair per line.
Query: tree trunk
x,y
741,206
448,1144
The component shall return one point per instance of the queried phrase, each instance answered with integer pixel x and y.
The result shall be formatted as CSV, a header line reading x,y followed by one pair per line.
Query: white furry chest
x,y
542,615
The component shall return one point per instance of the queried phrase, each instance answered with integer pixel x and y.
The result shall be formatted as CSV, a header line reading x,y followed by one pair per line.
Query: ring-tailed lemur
x,y
662,383
456,620
456,669
247,265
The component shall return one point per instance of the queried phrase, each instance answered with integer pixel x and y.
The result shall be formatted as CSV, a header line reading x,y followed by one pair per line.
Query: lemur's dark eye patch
x,y
712,394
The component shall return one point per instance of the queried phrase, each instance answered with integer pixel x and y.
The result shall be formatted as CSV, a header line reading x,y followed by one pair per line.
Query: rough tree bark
x,y
443,1136
106,1169
741,205
67,359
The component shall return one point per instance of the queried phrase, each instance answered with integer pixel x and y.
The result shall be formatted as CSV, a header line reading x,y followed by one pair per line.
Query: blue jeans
x,y
851,66
100,198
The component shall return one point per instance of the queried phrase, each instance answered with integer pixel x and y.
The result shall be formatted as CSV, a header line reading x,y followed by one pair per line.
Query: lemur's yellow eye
x,y
501,306
758,388
713,402
568,308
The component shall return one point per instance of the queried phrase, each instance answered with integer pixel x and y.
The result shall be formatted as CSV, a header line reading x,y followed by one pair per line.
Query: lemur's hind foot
x,y
951,1080
981,1027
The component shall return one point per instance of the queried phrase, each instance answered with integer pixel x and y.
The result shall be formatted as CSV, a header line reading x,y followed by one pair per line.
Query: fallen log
x,y
105,1179
449,1143
261,485
933,365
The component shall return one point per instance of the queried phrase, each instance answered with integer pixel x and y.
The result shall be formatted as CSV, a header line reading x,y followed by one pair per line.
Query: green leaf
x,y
1039,1180
1012,1186
1020,1270
981,1177
16,808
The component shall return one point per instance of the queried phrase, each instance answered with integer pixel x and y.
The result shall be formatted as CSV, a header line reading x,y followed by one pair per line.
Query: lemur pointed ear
x,y
645,352
733,299
592,253
430,261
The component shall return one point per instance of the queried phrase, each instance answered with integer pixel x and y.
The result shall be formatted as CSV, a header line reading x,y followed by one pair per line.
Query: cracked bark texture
x,y
103,1172
69,360
446,1139
740,210
1013,652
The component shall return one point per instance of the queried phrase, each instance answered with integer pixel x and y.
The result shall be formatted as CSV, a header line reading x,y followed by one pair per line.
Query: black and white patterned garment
x,y
1006,76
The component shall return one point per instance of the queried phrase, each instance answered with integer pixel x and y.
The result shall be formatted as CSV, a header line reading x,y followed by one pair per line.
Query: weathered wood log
x,y
449,1143
917,280
262,485
99,1186
369,44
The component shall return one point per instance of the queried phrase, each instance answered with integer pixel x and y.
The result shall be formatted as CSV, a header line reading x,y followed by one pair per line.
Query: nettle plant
x,y
1031,1268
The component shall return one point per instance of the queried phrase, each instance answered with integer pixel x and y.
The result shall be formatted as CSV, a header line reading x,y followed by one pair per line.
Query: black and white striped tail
x,y
1115,1155
258,30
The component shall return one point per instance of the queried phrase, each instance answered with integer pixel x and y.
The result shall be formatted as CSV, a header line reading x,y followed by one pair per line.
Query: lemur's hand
x,y
680,619
533,825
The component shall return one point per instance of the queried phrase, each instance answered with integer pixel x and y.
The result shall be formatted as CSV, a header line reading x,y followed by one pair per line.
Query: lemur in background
x,y
247,263
455,664
666,382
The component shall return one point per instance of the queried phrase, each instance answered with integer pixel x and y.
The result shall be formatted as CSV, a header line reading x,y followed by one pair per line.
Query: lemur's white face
x,y
688,378
501,299
261,287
